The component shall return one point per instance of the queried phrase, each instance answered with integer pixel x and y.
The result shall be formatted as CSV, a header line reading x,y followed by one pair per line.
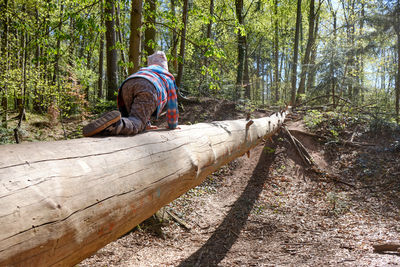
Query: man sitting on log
x,y
141,95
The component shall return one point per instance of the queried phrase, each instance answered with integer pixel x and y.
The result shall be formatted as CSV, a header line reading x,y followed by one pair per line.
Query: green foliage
x,y
313,119
6,136
103,106
269,150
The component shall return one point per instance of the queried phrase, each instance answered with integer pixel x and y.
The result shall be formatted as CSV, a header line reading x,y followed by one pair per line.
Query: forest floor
x,y
269,209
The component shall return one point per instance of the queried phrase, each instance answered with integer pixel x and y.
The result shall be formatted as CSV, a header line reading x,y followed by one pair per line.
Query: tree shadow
x,y
223,238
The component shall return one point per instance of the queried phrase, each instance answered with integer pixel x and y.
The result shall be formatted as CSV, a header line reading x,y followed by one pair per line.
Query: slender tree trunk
x,y
276,51
246,76
111,51
174,40
122,43
310,43
398,78
58,48
209,25
182,46
209,29
332,70
135,37
295,53
38,96
101,54
5,57
263,90
312,72
150,32
71,46
241,48
361,55
258,72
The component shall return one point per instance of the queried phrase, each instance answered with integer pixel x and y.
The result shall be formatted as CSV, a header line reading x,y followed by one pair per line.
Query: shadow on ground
x,y
218,245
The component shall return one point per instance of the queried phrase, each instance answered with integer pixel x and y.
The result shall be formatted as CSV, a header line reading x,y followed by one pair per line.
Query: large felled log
x,y
62,201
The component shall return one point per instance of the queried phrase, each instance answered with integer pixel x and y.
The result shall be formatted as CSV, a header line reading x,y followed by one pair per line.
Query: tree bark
x,y
312,70
101,54
397,90
150,32
58,48
60,205
310,43
111,51
295,54
182,45
276,51
4,51
209,25
241,49
174,40
135,37
122,43
246,75
397,104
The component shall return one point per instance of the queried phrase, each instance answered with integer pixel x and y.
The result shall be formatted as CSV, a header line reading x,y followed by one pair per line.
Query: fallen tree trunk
x,y
62,201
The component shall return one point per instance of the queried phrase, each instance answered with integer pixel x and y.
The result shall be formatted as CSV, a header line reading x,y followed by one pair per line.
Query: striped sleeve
x,y
172,106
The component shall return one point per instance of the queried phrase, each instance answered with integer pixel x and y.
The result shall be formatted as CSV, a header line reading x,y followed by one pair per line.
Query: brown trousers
x,y
140,98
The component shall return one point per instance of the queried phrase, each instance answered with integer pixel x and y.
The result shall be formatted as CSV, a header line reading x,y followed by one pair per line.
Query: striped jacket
x,y
164,82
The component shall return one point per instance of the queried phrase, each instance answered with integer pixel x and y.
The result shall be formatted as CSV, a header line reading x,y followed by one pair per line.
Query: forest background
x,y
67,58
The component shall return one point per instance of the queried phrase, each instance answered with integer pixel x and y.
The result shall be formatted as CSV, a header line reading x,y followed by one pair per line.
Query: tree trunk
x,y
101,54
246,76
111,51
122,44
174,41
209,25
37,95
310,43
360,93
182,45
71,46
398,78
295,53
276,51
58,48
5,57
135,37
312,70
332,70
241,49
60,205
150,32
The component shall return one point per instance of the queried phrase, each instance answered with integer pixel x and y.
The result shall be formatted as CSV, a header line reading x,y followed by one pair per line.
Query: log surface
x,y
62,201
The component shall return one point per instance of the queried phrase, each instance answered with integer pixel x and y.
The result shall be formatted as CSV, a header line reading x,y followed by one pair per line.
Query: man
x,y
142,94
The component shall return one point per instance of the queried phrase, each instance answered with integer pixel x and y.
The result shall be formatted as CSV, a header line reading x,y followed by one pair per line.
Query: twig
x,y
304,150
178,220
323,96
309,134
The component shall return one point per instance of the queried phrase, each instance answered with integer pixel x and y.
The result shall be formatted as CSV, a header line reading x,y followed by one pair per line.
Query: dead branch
x,y
324,96
301,154
390,246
